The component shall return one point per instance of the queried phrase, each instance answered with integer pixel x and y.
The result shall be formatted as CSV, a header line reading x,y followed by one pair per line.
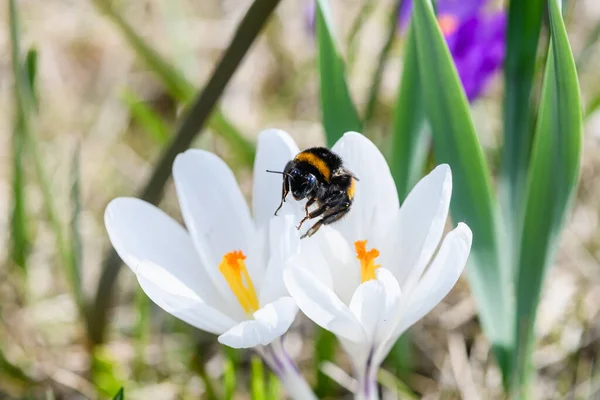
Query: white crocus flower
x,y
385,274
224,274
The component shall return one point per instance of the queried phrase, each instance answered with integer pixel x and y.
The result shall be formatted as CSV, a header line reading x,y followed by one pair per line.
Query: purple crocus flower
x,y
476,39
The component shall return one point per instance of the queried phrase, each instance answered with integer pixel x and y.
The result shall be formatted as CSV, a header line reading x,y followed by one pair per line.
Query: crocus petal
x,y
377,305
214,211
142,234
440,277
366,306
274,150
375,192
420,225
269,322
341,261
321,305
284,244
173,296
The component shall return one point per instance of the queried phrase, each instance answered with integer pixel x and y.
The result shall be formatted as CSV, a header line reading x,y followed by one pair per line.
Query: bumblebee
x,y
318,175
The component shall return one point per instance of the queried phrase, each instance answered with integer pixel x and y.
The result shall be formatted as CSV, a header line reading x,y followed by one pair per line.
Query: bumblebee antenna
x,y
275,172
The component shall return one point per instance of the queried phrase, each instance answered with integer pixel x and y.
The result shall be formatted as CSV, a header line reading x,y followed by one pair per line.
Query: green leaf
x,y
409,141
325,345
257,379
120,395
339,113
523,32
152,123
551,184
20,240
456,143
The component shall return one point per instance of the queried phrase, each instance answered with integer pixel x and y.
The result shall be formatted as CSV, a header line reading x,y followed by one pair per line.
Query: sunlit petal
x,y
174,297
375,192
214,211
420,225
274,150
320,304
269,322
142,234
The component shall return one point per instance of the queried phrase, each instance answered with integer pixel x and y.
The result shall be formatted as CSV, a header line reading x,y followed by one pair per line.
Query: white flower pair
x,y
366,278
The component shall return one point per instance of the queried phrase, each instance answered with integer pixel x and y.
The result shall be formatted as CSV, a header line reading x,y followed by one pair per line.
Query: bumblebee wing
x,y
345,171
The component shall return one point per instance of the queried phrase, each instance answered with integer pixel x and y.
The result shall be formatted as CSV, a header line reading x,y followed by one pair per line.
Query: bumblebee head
x,y
302,183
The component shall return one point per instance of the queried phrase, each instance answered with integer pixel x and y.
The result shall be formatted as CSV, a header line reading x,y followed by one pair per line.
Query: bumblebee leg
x,y
309,203
326,220
313,214
284,192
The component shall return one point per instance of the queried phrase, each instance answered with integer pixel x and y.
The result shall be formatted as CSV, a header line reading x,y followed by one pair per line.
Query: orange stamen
x,y
367,260
234,270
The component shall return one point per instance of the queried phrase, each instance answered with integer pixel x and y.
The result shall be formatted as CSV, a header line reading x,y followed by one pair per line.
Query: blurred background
x,y
103,113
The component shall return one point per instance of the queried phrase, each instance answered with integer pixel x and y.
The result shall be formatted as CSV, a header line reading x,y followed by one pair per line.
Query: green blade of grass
x,y
152,123
456,143
409,142
383,57
177,84
20,240
339,114
229,379
257,379
523,32
551,184
120,395
325,345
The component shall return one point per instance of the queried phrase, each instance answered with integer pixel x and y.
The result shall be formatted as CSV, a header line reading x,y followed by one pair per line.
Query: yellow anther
x,y
367,260
448,24
234,270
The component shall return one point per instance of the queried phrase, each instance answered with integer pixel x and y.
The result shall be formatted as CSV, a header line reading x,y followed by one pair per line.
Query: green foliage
x,y
338,111
409,140
551,184
120,395
257,379
152,123
523,31
23,73
456,143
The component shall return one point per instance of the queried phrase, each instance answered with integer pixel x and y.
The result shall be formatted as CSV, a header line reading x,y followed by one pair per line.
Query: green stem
x,y
195,118
376,82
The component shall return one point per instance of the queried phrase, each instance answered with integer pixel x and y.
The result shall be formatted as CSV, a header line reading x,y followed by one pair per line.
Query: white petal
x,y
420,225
342,262
142,234
270,322
284,245
366,306
440,277
376,305
214,211
274,150
391,307
312,259
320,304
375,194
174,297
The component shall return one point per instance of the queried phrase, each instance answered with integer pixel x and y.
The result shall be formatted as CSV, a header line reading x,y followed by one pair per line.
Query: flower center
x,y
367,260
234,270
448,24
